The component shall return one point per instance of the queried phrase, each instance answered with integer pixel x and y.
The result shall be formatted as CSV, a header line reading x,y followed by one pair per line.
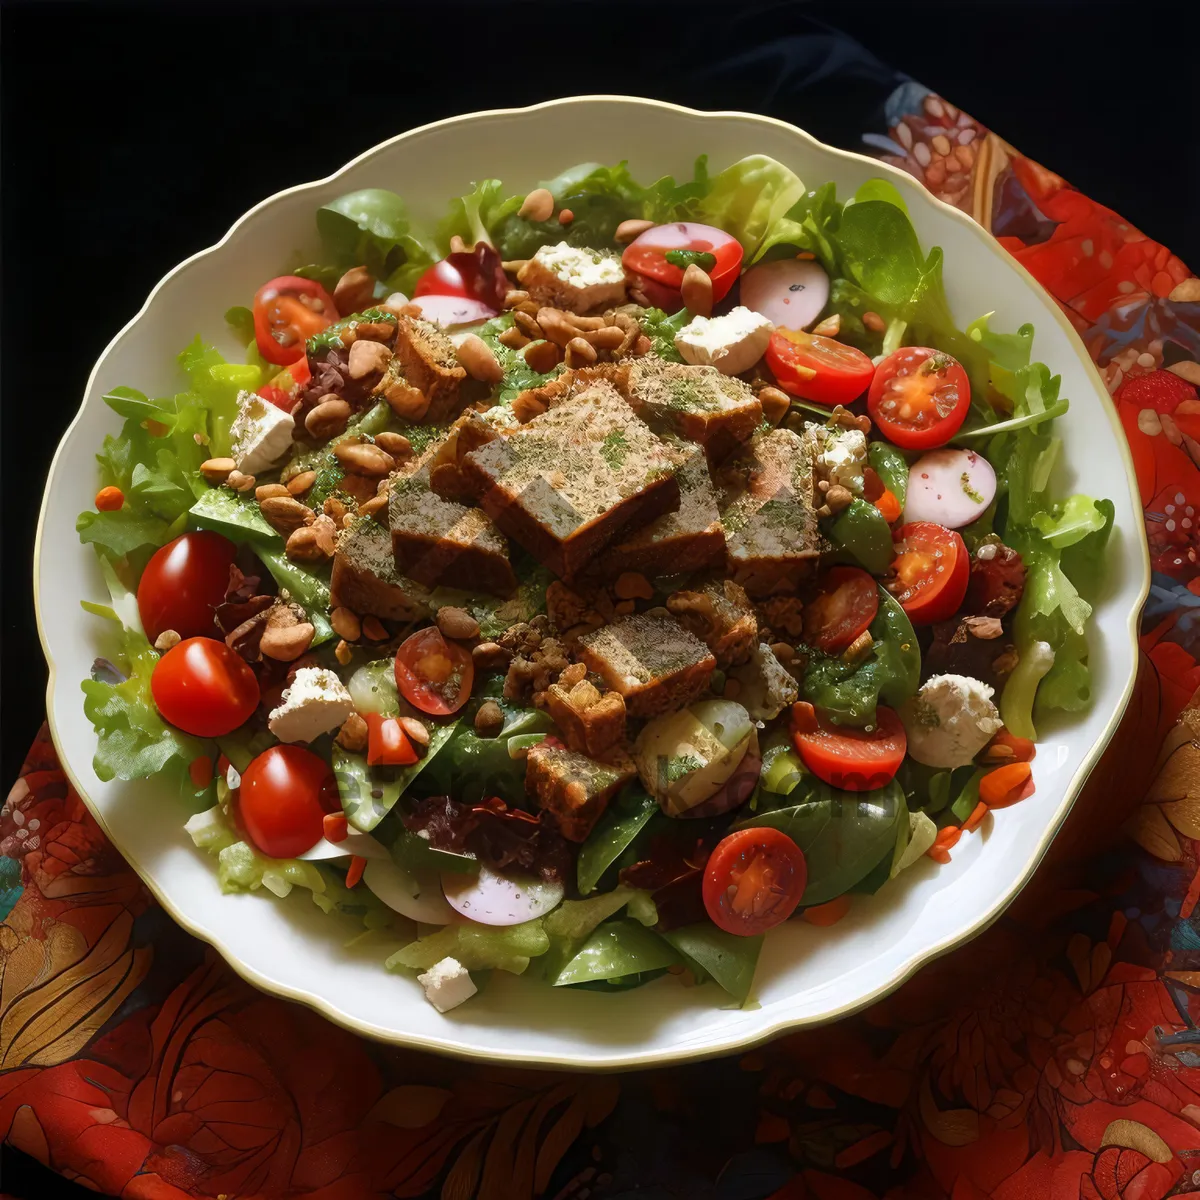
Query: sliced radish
x,y
414,894
452,311
354,843
493,899
789,292
949,487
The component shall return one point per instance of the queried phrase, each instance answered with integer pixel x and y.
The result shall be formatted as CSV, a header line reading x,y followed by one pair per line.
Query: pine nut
x,y
267,490
629,231
697,291
217,470
299,484
239,481
874,322
538,206
478,361
541,356
580,353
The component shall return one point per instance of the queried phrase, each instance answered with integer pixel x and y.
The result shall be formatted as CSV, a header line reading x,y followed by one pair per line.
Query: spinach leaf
x,y
723,957
615,950
622,821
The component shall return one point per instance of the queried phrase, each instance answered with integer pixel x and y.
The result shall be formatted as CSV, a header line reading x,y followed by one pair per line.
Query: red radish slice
x,y
413,894
789,292
451,311
493,899
949,487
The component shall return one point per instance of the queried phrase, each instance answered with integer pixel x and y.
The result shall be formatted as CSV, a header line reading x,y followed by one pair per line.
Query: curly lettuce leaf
x,y
475,214
477,947
661,330
370,228
748,197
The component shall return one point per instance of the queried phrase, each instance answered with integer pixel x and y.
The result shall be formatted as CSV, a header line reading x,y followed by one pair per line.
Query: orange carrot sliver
x,y
804,717
335,827
948,837
828,913
938,853
889,505
354,874
1005,785
975,819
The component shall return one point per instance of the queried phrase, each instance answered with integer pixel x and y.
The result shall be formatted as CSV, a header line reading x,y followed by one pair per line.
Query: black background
x,y
134,136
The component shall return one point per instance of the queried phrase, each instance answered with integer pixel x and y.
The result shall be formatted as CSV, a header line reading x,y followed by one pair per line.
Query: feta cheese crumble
x,y
950,720
261,433
447,984
732,343
316,702
581,268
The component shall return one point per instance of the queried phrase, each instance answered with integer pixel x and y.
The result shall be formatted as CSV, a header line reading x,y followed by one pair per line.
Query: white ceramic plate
x,y
806,975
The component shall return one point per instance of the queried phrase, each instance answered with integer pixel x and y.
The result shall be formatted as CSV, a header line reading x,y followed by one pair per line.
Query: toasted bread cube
x,y
428,362
690,539
772,538
591,723
568,482
442,456
656,664
698,403
574,380
365,579
719,613
575,279
573,787
441,542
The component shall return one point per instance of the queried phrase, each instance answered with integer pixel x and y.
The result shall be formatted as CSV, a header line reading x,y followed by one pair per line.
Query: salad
x,y
589,585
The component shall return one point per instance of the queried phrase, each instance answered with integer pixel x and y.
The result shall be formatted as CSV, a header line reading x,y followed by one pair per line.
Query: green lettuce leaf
x,y
370,228
474,215
748,198
477,947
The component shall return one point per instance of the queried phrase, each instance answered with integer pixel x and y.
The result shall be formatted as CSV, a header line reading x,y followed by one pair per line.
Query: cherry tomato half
x,y
442,279
183,582
433,674
646,255
930,573
856,760
753,881
818,368
387,743
202,687
919,397
475,274
284,797
287,311
843,608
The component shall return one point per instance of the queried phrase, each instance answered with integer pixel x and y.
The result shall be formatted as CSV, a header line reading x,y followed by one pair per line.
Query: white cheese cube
x,y
262,434
316,702
950,720
841,456
732,343
447,984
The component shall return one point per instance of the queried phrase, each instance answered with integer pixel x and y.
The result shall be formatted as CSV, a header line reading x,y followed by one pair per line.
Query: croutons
x,y
442,457
573,278
691,539
699,403
772,538
440,542
574,788
721,615
365,579
591,722
649,658
429,364
578,379
568,482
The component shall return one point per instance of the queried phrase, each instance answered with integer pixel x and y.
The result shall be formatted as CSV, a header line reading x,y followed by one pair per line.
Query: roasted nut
x,y
874,322
375,331
775,403
335,509
830,327
513,338
526,406
489,720
363,458
623,608
984,628
360,488
345,624
527,325
285,643
325,530
697,291
838,498
395,444
511,266
565,216
575,673
631,230
303,545
368,358
267,490
217,470
353,734
642,344
556,326
633,585
239,482
328,418
406,401
373,629
373,507
166,640
490,656
783,651
342,652
580,353
607,338
537,206
515,296
456,622
286,513
299,484
850,420
354,291
417,732
541,356
478,361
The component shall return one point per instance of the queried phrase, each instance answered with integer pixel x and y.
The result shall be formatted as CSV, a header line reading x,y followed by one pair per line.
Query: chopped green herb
x,y
685,258
971,493
614,449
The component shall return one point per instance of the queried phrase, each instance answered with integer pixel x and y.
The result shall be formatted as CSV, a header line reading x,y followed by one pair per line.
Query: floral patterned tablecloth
x,y
1057,1055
